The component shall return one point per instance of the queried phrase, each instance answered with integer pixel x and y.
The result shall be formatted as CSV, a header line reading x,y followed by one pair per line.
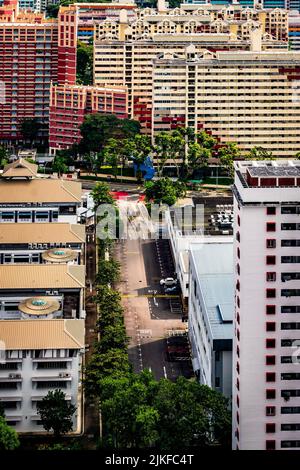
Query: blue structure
x,y
146,168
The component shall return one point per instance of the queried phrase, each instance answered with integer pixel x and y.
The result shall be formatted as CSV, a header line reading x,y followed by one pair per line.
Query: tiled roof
x,y
41,276
42,233
39,190
42,334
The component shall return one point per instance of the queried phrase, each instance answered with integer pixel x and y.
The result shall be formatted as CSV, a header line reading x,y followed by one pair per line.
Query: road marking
x,y
165,372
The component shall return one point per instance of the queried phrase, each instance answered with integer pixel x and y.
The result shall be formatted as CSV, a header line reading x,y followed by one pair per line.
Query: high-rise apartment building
x,y
70,103
247,97
33,52
266,377
124,50
290,4
90,13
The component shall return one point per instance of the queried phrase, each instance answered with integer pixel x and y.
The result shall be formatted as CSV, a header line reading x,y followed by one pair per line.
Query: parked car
x,y
169,281
171,290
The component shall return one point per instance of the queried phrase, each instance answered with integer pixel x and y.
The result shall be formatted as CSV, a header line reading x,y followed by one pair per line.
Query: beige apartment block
x,y
248,97
125,48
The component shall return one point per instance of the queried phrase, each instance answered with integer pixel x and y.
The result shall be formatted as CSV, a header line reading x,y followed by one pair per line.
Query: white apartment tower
x,y
266,370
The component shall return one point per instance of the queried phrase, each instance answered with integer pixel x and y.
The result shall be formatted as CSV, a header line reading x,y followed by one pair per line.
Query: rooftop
x,y
270,170
21,168
214,268
42,334
44,233
42,276
40,190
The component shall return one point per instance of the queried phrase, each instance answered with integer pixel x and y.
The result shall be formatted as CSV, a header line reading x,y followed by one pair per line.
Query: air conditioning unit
x,y
13,376
64,374
55,292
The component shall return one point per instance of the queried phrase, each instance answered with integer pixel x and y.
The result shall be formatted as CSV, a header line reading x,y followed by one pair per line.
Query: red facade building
x,y
70,103
34,51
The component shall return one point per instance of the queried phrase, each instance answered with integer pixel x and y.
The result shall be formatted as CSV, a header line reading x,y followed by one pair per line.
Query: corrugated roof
x,y
42,334
20,168
214,268
41,276
42,233
39,190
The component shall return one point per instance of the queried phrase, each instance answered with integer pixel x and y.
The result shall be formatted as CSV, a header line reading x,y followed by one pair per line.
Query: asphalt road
x,y
148,319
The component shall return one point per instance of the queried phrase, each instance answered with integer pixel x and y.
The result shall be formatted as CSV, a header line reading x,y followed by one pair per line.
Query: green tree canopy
x,y
139,411
164,191
56,413
108,271
30,128
259,153
59,165
8,437
84,63
97,129
227,155
101,194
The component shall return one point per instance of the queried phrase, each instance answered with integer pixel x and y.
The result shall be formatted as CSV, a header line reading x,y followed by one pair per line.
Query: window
x,y
270,293
288,342
270,309
290,393
290,410
270,410
270,360
290,376
290,444
238,220
238,237
270,326
238,253
290,210
270,376
271,226
217,382
289,243
290,427
271,210
290,326
271,243
270,427
290,259
271,259
270,343
270,394
290,226
271,277
290,292
289,359
270,445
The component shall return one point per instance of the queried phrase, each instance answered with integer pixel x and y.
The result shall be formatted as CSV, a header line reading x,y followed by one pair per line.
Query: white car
x,y
169,281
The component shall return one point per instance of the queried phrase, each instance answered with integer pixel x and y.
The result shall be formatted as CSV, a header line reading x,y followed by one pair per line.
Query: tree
x,y
97,129
113,155
101,194
138,148
59,166
227,155
108,271
297,156
56,413
30,128
84,63
3,156
164,191
198,157
8,437
139,411
259,153
53,8
169,146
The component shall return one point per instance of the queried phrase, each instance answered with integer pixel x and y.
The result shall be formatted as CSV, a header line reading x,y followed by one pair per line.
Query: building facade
x,y
38,356
249,97
33,52
39,201
124,50
265,362
70,103
211,313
